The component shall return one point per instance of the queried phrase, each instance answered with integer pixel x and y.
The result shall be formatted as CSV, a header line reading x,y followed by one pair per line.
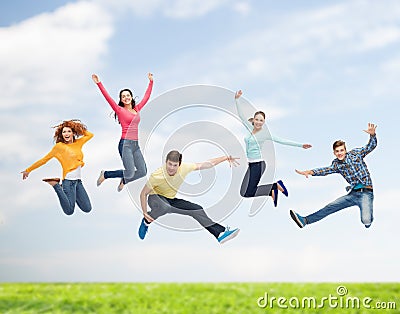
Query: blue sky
x,y
320,70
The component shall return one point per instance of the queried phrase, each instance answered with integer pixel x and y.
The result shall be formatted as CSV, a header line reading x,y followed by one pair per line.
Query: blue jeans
x,y
363,199
133,161
71,192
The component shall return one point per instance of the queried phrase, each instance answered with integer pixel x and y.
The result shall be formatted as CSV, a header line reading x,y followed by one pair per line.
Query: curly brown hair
x,y
78,129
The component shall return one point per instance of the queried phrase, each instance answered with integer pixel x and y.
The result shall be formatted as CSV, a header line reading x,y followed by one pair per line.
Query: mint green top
x,y
254,142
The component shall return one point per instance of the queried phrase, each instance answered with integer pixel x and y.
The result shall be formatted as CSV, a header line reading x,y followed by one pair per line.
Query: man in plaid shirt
x,y
352,167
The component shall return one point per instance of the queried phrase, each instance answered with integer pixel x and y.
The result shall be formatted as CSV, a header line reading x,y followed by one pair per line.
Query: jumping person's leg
x,y
342,202
250,187
139,164
251,180
82,198
184,207
159,206
113,173
66,195
365,202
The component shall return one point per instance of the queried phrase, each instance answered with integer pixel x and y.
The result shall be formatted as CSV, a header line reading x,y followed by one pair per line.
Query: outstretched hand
x,y
148,217
306,146
95,78
238,94
233,161
25,174
305,173
371,129
150,76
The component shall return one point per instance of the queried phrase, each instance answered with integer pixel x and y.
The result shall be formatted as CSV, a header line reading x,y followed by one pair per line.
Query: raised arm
x,y
240,112
86,137
371,130
106,95
146,96
215,161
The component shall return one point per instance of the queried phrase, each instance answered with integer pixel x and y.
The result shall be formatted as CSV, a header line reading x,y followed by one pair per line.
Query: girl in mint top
x,y
128,113
254,141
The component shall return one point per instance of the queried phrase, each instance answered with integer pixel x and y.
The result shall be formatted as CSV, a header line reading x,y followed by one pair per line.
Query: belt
x,y
364,190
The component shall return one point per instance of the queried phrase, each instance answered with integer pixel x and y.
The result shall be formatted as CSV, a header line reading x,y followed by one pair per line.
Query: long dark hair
x,y
121,104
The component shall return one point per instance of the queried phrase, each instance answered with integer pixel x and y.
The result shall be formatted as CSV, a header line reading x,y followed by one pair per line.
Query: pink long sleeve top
x,y
129,120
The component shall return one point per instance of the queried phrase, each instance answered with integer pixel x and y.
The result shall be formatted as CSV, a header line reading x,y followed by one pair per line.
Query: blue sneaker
x,y
143,229
299,220
367,226
228,234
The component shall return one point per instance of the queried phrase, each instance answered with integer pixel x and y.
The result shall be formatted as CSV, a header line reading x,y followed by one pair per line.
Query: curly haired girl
x,y
69,136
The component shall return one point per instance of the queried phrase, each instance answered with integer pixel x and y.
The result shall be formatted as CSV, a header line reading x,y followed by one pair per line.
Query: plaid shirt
x,y
353,167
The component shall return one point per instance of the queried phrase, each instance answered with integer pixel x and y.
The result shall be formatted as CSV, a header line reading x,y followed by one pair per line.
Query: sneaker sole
x,y
231,236
296,220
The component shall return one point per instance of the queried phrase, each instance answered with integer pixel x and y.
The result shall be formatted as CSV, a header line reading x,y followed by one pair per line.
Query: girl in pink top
x,y
128,114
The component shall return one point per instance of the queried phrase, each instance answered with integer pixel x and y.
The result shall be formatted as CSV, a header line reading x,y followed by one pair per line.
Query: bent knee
x,y
245,194
366,220
87,209
68,212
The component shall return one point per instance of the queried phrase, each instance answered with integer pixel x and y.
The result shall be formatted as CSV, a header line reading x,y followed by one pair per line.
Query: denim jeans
x,y
250,187
363,199
161,205
133,161
71,192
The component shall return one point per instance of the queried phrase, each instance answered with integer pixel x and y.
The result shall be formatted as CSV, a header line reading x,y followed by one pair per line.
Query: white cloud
x,y
45,58
242,7
185,9
380,37
174,9
282,48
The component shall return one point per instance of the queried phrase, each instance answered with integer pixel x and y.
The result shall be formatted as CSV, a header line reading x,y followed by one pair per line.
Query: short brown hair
x,y
339,143
174,156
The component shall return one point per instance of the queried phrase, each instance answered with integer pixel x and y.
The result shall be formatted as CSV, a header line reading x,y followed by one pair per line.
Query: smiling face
x,y
68,135
258,121
340,152
172,167
126,98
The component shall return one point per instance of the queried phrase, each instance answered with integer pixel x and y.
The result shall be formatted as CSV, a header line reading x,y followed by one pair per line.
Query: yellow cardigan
x,y
69,155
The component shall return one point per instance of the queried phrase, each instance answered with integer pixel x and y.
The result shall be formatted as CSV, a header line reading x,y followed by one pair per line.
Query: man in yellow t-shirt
x,y
162,186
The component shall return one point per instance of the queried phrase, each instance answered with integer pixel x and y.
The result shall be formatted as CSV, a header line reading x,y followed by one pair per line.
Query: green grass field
x,y
199,298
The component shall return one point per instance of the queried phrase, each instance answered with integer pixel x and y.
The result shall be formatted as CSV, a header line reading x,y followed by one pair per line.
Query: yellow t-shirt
x,y
165,185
